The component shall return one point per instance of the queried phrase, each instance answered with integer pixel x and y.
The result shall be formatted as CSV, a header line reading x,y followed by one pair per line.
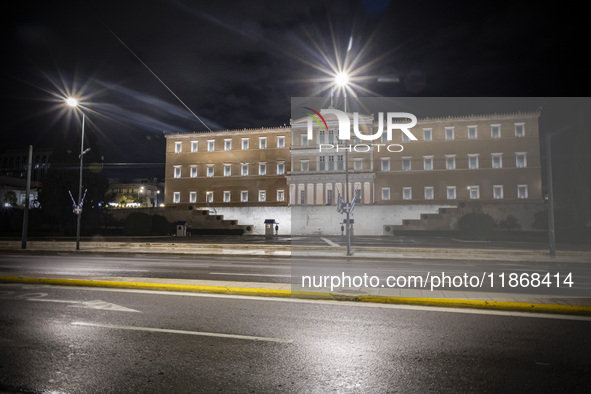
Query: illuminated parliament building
x,y
489,163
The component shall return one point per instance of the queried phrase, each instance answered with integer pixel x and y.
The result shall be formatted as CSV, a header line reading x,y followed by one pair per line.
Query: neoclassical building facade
x,y
489,158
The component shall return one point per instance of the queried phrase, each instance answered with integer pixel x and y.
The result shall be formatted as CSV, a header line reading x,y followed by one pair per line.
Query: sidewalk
x,y
299,250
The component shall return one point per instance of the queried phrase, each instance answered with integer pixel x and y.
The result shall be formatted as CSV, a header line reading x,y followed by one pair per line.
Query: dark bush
x,y
476,226
138,223
160,225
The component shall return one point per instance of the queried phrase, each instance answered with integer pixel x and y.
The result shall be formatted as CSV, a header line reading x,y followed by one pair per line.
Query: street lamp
x,y
72,102
341,80
140,190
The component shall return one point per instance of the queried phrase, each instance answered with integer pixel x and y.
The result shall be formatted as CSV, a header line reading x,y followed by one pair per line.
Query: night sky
x,y
151,67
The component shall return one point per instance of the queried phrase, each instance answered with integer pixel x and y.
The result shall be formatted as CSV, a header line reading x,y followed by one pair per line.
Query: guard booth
x,y
181,229
270,227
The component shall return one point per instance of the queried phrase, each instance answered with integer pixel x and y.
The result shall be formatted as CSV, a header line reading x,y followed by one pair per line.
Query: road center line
x,y
328,241
170,331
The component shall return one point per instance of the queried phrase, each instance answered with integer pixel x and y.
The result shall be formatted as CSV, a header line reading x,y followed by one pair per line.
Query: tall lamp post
x,y
342,80
72,102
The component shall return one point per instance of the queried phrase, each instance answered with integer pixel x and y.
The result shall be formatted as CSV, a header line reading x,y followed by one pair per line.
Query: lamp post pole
x,y
551,235
347,189
27,199
79,214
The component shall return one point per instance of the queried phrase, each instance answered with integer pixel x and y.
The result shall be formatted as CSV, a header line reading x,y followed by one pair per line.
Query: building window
x,y
193,171
304,166
407,193
281,142
244,196
227,144
304,140
498,192
331,163
474,192
322,137
177,171
405,137
472,133
331,136
210,145
280,168
193,146
321,163
357,195
302,197
519,130
406,166
386,164
451,192
176,197
428,163
262,142
449,133
358,164
329,196
450,162
473,162
262,195
226,196
428,192
521,160
227,170
178,147
244,143
521,191
210,170
193,197
427,134
495,131
244,169
497,160
340,163
385,194
262,169
280,195
209,197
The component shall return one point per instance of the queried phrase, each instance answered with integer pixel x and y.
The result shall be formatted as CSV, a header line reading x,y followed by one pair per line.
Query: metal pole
x,y
80,187
347,191
27,199
551,233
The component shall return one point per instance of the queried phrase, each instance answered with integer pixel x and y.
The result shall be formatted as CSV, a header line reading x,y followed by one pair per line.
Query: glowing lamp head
x,y
72,102
342,79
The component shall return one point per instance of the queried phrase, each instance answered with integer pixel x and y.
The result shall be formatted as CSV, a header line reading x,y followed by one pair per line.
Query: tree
x,y
10,197
63,178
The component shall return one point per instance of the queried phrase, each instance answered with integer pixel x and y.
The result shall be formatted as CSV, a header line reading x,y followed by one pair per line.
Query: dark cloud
x,y
235,64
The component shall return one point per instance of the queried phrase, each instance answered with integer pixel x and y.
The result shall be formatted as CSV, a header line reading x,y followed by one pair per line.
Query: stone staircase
x,y
445,220
207,221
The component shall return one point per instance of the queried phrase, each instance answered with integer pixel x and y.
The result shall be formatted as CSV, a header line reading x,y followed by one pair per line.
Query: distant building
x,y
140,193
13,163
481,162
13,174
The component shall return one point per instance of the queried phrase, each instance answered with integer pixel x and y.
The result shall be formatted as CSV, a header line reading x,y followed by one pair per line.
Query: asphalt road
x,y
77,340
286,270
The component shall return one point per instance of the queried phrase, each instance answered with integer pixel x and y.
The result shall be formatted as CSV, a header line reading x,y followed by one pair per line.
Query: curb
x,y
441,302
